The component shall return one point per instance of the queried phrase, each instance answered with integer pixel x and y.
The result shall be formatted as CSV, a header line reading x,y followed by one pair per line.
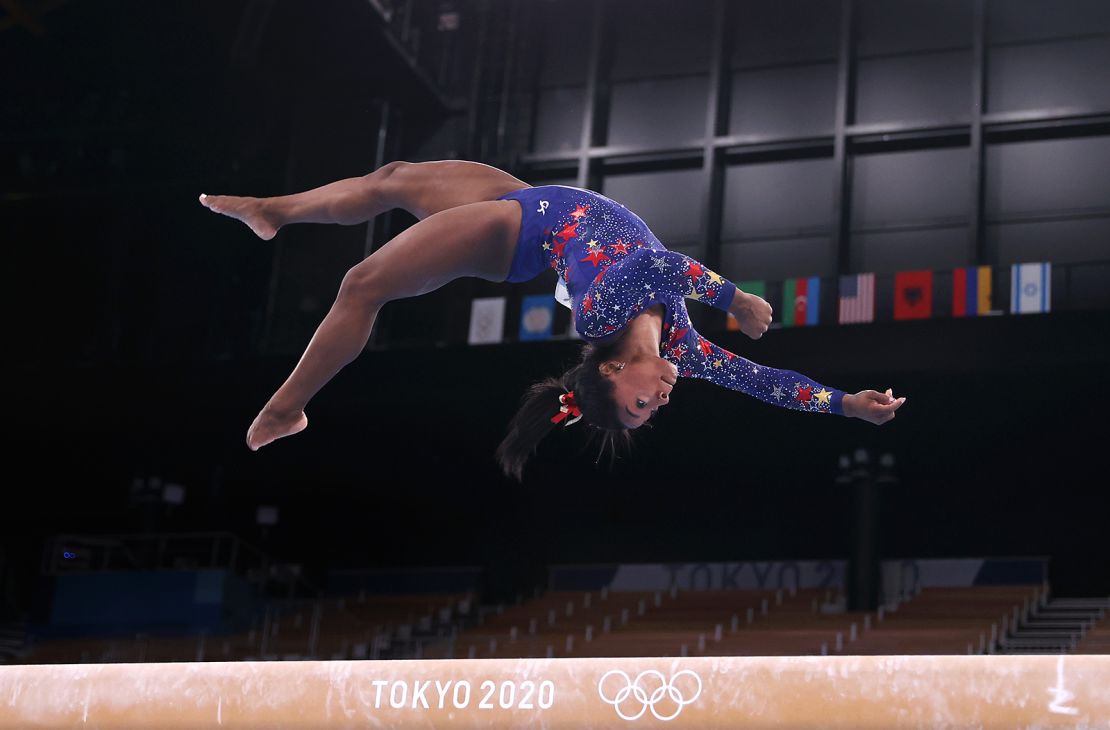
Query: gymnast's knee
x,y
386,185
362,286
387,170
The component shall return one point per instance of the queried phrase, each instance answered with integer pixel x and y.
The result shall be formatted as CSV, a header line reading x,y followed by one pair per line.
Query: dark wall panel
x,y
559,119
658,37
778,196
932,86
786,31
789,100
889,251
1047,175
564,60
658,111
669,202
1088,287
921,185
1060,241
886,26
1072,73
1025,20
778,259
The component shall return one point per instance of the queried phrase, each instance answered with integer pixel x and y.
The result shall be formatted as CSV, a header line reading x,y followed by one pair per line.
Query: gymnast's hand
x,y
872,406
752,312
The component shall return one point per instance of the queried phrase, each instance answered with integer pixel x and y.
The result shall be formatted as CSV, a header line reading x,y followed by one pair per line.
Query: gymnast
x,y
625,290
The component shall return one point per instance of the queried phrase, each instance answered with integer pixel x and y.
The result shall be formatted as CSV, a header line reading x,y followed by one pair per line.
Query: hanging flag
x,y
752,286
487,320
536,315
913,295
857,298
801,300
1031,287
971,291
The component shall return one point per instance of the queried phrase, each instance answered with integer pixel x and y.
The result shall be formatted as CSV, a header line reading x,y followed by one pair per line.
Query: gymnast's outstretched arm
x,y
698,357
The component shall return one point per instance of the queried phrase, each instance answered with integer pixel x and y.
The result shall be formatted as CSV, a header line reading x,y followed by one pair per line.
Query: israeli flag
x,y
536,315
1031,287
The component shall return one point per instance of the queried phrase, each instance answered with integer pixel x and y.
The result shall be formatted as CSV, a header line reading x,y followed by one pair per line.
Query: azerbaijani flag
x,y
913,294
801,300
1031,288
752,286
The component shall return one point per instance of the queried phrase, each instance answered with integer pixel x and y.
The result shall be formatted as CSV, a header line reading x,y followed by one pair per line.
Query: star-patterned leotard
x,y
611,267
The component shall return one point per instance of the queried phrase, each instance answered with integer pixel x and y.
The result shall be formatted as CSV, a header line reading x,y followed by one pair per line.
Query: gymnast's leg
x,y
477,239
421,188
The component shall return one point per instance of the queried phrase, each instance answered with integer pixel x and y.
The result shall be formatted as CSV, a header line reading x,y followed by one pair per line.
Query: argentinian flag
x,y
1031,288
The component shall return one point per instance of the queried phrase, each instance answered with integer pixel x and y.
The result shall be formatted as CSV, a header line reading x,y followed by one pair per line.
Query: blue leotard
x,y
611,267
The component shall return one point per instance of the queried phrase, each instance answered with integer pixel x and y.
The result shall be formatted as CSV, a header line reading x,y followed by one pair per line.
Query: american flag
x,y
857,298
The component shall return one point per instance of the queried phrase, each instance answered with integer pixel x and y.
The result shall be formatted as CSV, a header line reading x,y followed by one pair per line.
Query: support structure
x,y
716,125
845,116
595,112
707,692
977,248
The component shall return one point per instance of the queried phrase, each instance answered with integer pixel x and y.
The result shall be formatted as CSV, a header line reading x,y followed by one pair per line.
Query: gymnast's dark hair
x,y
593,393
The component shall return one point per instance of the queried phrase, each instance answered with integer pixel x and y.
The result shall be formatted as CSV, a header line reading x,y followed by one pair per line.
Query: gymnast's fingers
x,y
893,405
875,396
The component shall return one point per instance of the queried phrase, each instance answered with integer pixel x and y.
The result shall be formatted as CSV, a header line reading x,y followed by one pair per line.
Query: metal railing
x,y
65,554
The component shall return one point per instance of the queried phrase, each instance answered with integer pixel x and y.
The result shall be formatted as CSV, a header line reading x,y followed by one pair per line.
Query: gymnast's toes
x,y
212,202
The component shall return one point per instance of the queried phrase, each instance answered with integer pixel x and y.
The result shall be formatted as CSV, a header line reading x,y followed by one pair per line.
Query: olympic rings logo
x,y
633,688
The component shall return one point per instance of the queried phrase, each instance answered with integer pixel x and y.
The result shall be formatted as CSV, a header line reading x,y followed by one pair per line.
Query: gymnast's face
x,y
640,388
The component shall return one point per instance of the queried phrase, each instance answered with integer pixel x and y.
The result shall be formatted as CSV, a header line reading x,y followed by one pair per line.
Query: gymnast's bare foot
x,y
270,425
249,210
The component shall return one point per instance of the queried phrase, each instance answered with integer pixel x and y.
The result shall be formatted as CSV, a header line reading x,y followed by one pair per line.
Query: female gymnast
x,y
625,290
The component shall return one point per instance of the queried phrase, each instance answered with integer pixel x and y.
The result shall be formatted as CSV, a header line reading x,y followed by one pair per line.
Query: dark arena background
x,y
950,157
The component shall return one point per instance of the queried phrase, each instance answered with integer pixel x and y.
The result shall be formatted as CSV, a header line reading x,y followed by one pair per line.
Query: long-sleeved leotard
x,y
613,267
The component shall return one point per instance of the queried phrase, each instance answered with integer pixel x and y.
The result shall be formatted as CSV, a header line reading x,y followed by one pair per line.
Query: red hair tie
x,y
568,408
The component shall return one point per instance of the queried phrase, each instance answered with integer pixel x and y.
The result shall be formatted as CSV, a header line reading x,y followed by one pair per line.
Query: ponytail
x,y
593,393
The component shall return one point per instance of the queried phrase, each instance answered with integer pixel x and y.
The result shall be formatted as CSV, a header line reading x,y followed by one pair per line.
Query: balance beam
x,y
857,692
